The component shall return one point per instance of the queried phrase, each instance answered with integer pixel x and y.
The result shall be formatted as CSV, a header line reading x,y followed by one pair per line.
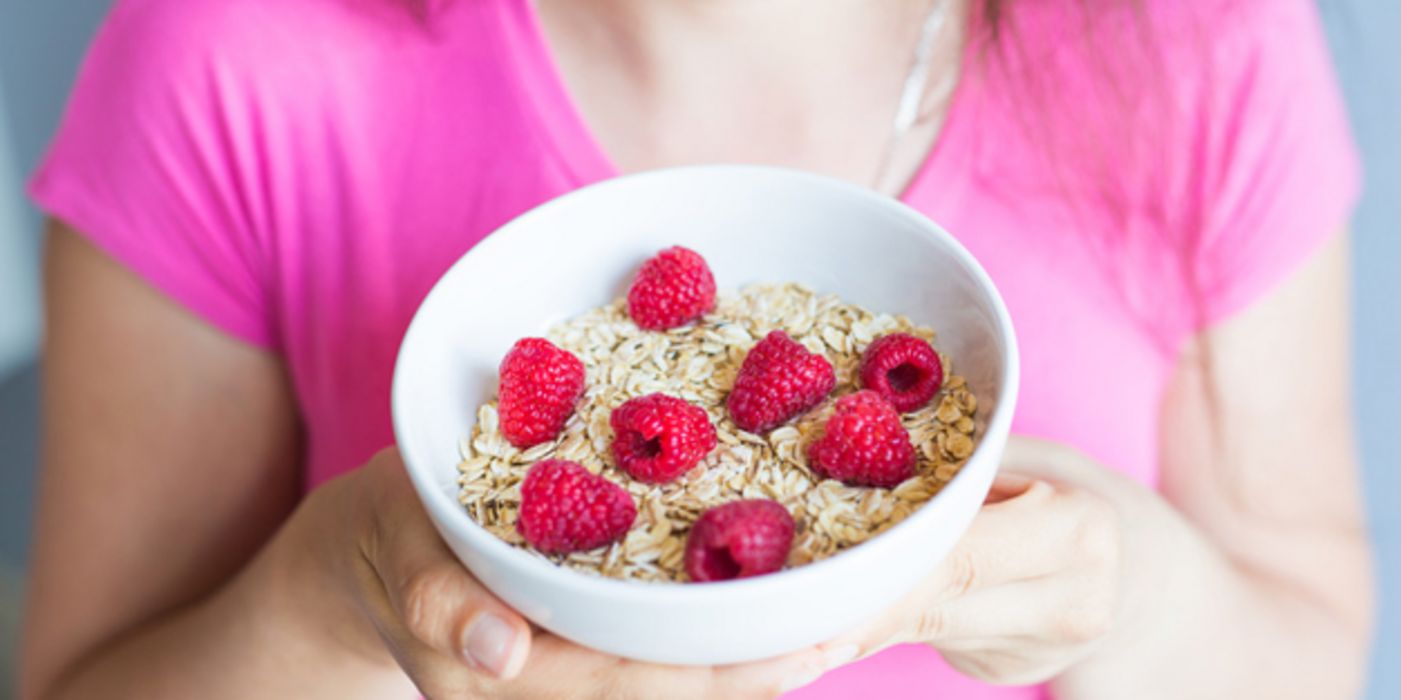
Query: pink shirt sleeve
x,y
152,163
1281,173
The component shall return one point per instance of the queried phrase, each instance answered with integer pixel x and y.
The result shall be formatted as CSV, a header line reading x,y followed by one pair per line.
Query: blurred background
x,y
42,42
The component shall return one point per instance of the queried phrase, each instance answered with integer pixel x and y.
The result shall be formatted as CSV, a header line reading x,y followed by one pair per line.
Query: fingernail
x,y
840,655
1008,480
489,643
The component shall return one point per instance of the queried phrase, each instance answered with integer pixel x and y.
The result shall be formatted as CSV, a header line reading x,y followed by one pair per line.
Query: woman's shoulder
x,y
1171,29
1235,30
265,22
228,26
299,48
1234,20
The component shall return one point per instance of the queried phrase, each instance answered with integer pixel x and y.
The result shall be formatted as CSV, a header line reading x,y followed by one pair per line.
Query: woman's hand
x,y
1035,585
456,640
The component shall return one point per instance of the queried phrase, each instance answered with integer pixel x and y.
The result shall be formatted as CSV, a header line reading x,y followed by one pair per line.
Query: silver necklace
x,y
916,87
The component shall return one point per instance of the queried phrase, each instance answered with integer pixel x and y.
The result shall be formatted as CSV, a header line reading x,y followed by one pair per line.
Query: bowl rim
x,y
447,513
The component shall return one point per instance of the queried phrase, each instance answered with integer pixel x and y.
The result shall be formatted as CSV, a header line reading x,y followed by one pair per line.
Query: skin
x,y
1247,575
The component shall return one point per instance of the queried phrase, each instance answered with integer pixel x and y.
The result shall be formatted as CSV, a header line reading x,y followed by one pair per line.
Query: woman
x,y
250,197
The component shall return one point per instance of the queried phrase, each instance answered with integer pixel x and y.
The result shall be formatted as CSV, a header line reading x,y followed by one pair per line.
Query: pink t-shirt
x,y
299,172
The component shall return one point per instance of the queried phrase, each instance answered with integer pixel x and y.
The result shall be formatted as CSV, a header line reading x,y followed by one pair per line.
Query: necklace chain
x,y
916,86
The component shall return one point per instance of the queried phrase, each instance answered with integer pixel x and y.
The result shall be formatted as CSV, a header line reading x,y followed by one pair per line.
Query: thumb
x,y
437,600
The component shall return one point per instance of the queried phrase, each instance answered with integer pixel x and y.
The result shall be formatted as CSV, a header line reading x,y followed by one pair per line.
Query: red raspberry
x,y
778,380
903,369
739,539
657,437
540,384
672,289
864,444
564,508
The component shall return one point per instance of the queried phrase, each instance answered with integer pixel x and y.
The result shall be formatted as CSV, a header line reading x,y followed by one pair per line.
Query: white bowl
x,y
752,224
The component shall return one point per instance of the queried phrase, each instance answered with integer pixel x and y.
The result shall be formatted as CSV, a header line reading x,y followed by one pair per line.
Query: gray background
x,y
41,42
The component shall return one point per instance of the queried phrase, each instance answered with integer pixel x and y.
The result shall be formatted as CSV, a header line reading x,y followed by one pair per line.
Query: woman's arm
x,y
1276,598
172,559
1248,577
170,456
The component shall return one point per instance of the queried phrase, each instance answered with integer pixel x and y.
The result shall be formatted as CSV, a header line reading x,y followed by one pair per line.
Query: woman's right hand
x,y
456,640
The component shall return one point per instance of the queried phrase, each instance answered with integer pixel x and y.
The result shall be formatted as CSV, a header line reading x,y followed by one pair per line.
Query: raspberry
x,y
657,437
778,380
672,289
903,369
540,384
564,508
739,539
863,443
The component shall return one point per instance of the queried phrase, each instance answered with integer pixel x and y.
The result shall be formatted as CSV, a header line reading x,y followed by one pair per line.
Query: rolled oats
x,y
698,362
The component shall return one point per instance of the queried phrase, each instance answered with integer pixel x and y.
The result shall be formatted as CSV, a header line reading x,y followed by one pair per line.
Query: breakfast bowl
x,y
752,224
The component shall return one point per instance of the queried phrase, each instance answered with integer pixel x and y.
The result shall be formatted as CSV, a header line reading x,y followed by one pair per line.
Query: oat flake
x,y
698,362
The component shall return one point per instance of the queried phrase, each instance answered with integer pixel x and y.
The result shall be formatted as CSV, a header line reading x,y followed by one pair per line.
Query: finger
x,y
1022,633
1009,540
435,597
1026,619
1024,537
594,674
555,662
1050,611
782,674
1041,531
1010,666
1061,464
1007,486
1032,458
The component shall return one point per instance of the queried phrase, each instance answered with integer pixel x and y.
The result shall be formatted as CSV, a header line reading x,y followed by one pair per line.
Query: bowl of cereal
x,y
707,415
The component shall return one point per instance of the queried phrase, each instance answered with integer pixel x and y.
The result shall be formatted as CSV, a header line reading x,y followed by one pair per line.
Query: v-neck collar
x,y
935,187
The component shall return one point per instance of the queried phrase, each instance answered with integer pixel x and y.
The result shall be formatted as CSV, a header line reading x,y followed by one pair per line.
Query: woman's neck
x,y
783,38
805,84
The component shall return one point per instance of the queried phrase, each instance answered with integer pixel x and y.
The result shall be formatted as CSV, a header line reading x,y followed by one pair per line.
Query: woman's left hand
x,y
1035,584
